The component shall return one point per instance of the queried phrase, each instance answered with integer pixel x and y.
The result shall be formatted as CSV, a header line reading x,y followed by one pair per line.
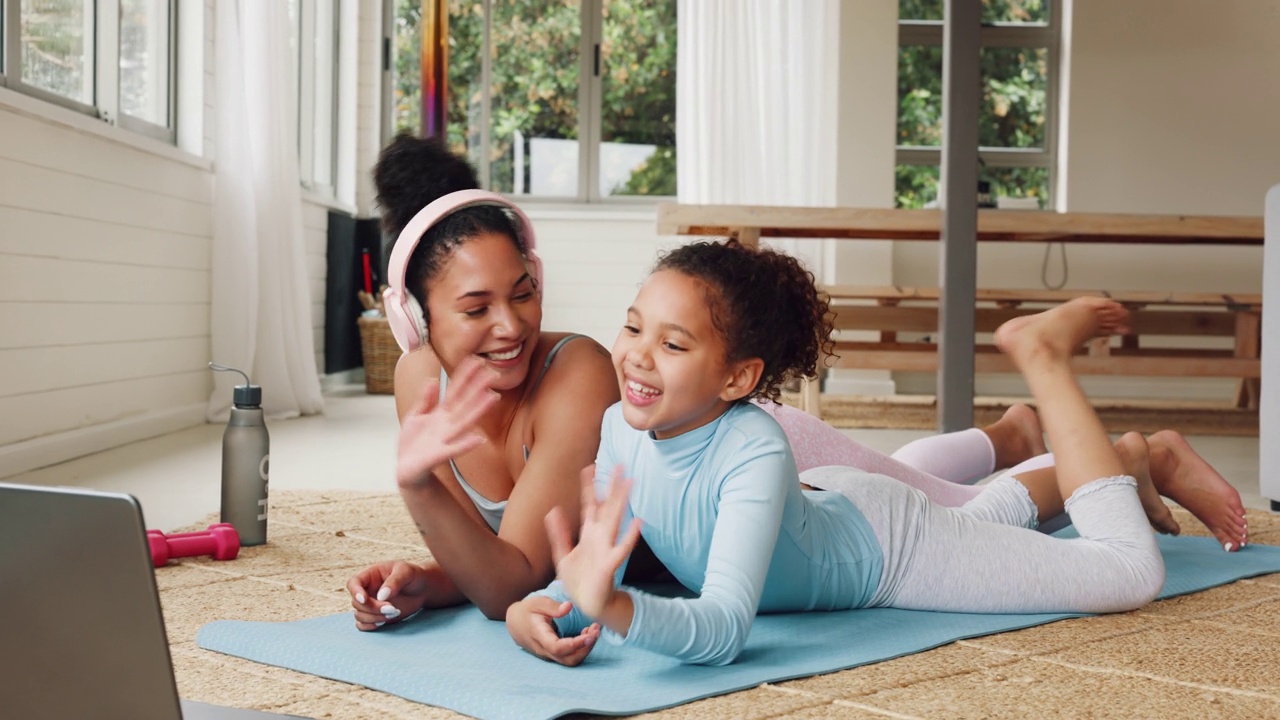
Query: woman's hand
x,y
387,592
436,430
529,623
587,571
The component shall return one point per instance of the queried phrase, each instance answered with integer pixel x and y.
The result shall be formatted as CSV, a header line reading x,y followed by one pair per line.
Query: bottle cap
x,y
247,396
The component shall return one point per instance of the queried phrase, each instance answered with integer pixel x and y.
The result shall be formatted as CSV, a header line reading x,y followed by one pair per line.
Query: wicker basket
x,y
380,352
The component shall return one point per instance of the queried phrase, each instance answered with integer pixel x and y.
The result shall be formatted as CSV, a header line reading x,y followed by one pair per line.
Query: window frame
x,y
105,70
309,12
590,107
1047,35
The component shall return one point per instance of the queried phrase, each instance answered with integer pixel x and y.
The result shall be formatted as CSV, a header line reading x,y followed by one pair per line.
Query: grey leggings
x,y
983,557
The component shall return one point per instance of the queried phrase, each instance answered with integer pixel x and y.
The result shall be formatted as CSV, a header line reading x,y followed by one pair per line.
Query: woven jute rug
x,y
1214,654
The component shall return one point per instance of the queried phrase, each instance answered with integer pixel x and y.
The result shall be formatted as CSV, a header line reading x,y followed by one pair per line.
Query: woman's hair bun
x,y
412,172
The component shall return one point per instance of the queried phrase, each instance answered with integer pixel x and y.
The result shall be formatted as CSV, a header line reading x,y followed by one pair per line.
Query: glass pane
x,y
915,186
919,95
993,11
638,103
1014,96
533,125
406,71
144,60
324,94
57,47
466,93
1018,183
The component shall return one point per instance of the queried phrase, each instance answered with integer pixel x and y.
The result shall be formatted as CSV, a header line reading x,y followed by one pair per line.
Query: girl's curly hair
x,y
413,172
764,304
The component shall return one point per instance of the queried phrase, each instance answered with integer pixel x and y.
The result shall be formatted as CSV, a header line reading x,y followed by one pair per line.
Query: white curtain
x,y
261,310
755,106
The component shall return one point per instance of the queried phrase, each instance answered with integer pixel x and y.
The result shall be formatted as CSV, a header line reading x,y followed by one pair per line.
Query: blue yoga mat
x,y
457,659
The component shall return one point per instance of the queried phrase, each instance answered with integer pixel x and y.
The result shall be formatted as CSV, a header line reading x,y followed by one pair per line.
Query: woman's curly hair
x,y
410,174
764,304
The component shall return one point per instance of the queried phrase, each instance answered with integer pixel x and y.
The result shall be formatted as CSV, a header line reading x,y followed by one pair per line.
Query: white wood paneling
x,y
31,233
33,415
35,370
27,140
104,290
26,279
60,193
51,325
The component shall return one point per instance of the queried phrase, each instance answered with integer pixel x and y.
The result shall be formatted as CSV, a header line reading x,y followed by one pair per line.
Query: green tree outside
x,y
535,75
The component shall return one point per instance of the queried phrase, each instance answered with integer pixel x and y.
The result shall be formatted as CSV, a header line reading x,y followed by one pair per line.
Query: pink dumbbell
x,y
220,540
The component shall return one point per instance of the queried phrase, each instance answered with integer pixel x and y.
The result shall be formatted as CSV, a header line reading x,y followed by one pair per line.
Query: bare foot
x,y
1016,436
1058,332
1186,478
1135,457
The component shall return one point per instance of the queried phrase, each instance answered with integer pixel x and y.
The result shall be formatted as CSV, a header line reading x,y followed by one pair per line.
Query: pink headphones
x,y
404,314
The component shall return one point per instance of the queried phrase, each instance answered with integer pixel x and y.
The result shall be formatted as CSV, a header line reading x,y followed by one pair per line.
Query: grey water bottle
x,y
246,457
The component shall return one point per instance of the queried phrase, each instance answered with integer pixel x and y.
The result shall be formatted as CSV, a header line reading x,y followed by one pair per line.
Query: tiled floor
x,y
176,477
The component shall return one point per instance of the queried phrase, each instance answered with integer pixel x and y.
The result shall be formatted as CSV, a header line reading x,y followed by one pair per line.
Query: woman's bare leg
x,y
1016,436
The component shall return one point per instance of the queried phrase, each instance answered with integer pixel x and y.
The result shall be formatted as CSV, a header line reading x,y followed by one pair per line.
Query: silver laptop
x,y
81,633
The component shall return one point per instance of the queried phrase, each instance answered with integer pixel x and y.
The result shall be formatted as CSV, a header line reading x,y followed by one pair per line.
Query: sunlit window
x,y
1017,64
570,99
117,68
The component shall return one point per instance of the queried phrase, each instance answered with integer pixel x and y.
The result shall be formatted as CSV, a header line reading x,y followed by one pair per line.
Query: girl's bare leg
x,y
1186,478
1041,347
1042,485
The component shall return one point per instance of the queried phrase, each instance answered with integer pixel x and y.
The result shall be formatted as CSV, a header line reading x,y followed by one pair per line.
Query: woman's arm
x,y
495,571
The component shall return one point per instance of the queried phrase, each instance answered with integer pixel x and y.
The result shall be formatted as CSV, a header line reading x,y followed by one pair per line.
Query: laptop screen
x,y
81,631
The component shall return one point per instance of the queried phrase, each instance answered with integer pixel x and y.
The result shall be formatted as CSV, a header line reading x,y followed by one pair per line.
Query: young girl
x,y
718,498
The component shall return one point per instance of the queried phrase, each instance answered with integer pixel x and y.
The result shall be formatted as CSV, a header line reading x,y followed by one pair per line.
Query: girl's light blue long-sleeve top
x,y
723,509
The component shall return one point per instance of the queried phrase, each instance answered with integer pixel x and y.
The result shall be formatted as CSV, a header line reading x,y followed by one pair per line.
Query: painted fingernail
x,y
384,593
1227,547
379,624
360,598
391,611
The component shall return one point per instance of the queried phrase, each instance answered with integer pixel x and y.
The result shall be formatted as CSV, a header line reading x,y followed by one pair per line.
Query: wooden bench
x,y
893,310
1170,316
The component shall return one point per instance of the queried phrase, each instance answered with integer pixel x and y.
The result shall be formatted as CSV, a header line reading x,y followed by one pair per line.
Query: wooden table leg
x,y
1248,345
811,396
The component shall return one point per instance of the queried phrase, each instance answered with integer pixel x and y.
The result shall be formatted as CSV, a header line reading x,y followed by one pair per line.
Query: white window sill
x,y
328,201
565,210
52,114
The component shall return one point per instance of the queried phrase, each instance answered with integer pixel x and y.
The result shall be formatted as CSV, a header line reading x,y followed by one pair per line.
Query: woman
x,y
466,300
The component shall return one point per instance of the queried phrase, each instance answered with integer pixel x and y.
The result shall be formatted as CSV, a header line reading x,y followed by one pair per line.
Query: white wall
x,y
104,287
593,261
105,274
1172,108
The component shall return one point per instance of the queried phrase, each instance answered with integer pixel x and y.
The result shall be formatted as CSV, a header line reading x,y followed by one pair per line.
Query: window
x,y
113,60
315,40
1018,65
568,99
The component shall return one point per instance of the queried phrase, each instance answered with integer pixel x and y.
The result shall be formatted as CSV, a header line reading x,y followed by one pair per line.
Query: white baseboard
x,y
840,381
49,450
334,381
